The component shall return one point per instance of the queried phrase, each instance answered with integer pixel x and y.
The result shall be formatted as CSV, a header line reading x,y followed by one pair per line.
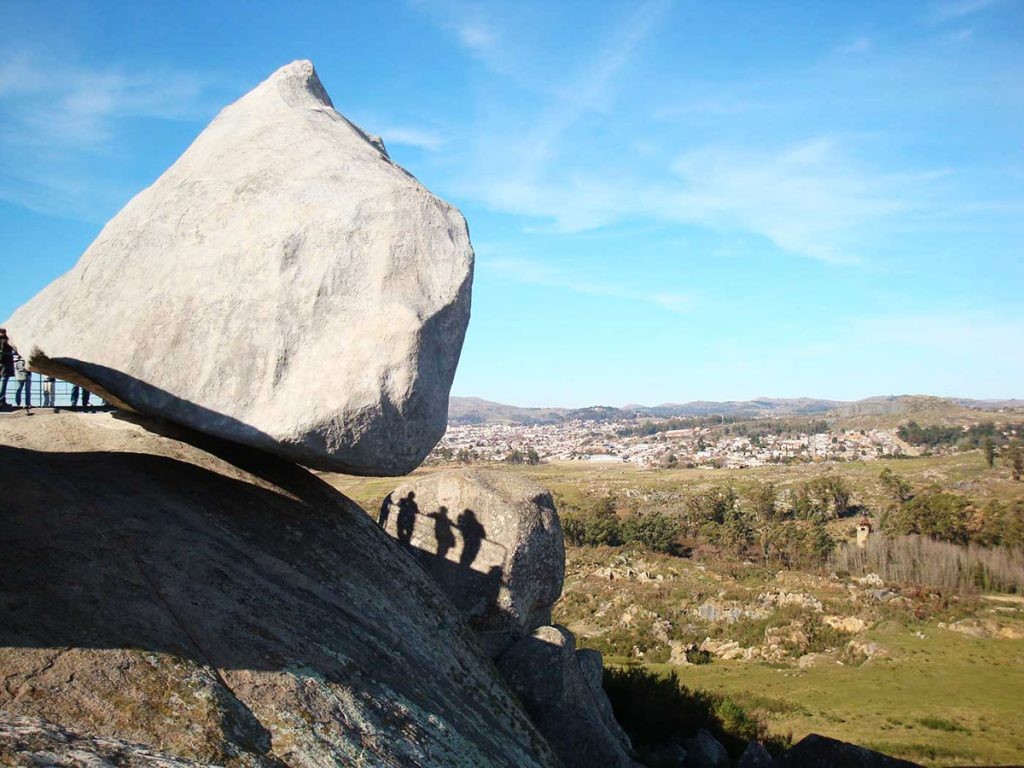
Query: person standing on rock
x,y
23,376
74,396
6,365
48,386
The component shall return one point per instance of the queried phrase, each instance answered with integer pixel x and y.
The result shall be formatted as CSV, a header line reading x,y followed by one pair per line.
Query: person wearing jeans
x,y
23,376
6,365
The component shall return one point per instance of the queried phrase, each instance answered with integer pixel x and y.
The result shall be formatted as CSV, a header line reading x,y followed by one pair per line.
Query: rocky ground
x,y
911,672
210,603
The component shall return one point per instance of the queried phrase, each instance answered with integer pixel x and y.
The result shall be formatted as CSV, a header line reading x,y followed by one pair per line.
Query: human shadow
x,y
473,586
444,536
473,534
405,523
385,511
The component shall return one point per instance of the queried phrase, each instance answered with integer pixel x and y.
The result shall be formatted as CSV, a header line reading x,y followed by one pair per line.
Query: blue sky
x,y
669,200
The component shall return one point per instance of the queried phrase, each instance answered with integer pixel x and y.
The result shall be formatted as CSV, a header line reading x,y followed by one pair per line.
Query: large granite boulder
x,y
492,540
207,602
559,693
284,285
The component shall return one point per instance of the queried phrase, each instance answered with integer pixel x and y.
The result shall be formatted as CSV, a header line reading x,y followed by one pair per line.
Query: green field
x,y
943,700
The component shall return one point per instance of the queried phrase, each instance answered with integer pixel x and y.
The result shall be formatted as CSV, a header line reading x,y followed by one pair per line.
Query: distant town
x,y
698,446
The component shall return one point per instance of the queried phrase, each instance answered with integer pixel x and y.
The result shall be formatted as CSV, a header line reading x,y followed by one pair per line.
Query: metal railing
x,y
61,394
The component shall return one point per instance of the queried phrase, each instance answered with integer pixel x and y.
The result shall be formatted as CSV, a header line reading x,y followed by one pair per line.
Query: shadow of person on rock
x,y
473,534
407,511
444,534
385,511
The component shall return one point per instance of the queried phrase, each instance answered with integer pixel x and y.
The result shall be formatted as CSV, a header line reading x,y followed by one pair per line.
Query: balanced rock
x,y
283,284
557,691
208,602
493,542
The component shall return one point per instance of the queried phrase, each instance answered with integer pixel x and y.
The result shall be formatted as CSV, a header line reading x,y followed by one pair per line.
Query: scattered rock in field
x,y
492,540
755,756
284,285
851,624
816,751
809,660
866,650
984,628
870,580
781,599
704,751
561,695
716,611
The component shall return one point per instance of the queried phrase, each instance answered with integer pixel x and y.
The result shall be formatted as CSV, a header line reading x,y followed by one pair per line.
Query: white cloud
x,y
807,198
959,9
425,139
529,271
53,116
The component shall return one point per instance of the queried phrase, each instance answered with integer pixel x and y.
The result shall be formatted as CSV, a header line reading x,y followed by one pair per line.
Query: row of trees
x,y
946,516
783,528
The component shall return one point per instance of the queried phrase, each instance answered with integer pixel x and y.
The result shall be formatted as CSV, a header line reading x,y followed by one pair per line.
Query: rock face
x,y
209,602
816,751
557,688
284,285
493,542
31,741
704,751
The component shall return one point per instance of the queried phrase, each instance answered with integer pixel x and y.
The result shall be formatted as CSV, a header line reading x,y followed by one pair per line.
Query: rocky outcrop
x,y
558,691
30,741
816,751
283,285
211,603
492,540
755,756
704,751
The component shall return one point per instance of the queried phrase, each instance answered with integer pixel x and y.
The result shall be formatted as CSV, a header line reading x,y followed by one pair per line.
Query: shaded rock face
x,y
215,604
755,756
492,540
816,751
704,751
557,687
282,285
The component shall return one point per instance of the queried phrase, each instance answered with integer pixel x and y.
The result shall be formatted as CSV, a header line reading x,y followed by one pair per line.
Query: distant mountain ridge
x,y
475,410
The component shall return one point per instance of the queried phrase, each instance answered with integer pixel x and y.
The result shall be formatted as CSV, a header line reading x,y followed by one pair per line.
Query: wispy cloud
x,y
959,9
811,198
422,138
54,116
537,273
468,23
808,198
78,107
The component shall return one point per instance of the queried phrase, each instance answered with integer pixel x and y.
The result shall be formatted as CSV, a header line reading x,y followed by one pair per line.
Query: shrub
x,y
656,709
